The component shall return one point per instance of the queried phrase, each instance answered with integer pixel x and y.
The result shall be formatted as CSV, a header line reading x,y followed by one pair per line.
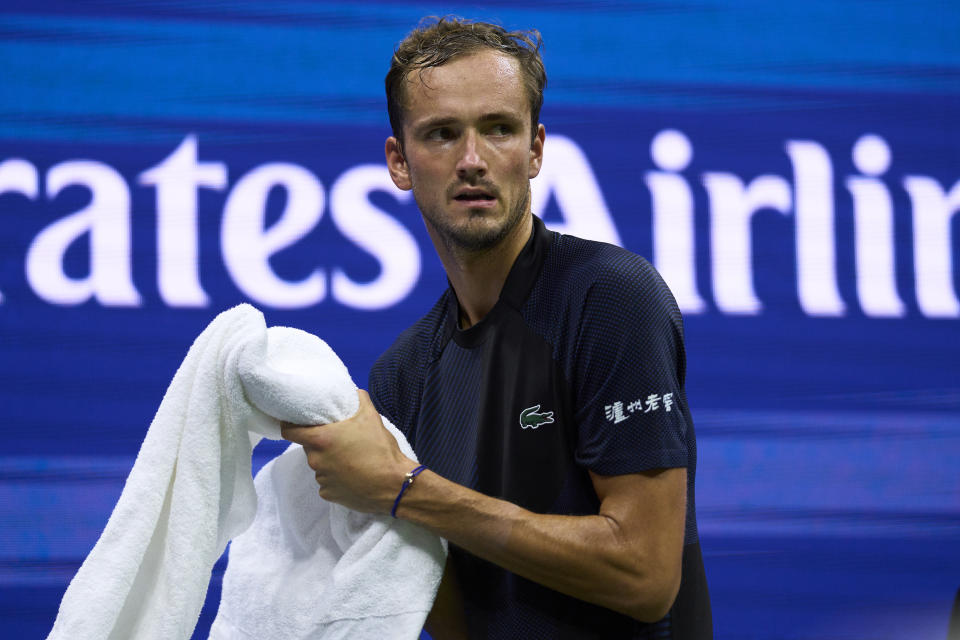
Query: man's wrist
x,y
393,482
408,480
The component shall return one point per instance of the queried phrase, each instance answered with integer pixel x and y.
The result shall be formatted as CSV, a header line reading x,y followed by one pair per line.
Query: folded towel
x,y
307,568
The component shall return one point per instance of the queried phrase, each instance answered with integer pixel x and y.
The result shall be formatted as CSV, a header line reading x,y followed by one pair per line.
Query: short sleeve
x,y
628,373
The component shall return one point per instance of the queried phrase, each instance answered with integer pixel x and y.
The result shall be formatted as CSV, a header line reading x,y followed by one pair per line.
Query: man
x,y
544,390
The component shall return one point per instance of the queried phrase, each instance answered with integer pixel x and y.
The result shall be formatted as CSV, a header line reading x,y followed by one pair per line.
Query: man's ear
x,y
536,152
397,164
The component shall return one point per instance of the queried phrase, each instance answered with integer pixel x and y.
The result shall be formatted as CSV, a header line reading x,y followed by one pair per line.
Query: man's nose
x,y
471,163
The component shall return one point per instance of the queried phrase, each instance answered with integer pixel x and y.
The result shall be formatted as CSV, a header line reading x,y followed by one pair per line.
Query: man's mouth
x,y
474,196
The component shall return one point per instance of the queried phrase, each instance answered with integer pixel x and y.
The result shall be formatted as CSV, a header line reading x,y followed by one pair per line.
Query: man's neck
x,y
478,276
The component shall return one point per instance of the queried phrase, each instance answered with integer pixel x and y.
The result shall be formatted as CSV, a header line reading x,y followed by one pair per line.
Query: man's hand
x,y
357,462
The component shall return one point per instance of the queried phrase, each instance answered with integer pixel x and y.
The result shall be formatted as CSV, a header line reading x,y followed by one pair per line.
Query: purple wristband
x,y
407,481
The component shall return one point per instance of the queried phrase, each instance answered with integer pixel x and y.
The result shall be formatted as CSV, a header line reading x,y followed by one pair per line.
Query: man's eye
x,y
501,130
443,133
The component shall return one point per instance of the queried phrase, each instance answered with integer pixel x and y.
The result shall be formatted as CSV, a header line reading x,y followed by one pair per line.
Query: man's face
x,y
467,151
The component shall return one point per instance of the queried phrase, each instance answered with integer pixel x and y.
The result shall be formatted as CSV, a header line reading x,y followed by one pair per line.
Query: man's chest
x,y
498,417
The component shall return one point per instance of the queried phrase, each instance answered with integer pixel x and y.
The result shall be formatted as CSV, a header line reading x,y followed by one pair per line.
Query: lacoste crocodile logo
x,y
531,419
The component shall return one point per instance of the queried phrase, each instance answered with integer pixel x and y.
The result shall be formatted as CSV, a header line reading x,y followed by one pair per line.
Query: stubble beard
x,y
469,238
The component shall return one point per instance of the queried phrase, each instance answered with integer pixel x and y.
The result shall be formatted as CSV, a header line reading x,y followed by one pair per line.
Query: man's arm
x,y
626,558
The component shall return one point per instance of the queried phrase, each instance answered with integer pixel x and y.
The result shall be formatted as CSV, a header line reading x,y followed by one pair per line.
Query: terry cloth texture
x,y
299,567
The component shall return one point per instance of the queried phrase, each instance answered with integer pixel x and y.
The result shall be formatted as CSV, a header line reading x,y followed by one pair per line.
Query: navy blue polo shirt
x,y
578,367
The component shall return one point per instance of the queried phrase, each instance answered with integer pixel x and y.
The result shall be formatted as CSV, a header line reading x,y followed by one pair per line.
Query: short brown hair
x,y
436,41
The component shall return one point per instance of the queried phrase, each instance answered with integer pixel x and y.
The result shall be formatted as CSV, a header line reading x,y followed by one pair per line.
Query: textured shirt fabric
x,y
578,367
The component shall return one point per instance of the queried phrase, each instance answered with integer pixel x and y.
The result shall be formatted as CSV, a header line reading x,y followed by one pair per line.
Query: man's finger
x,y
298,433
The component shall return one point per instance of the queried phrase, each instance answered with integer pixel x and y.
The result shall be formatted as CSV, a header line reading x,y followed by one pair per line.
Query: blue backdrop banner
x,y
791,169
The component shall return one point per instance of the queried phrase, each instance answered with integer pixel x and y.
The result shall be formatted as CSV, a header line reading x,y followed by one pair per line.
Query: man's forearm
x,y
592,557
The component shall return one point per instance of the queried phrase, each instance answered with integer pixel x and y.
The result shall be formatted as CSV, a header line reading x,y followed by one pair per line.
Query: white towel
x,y
307,569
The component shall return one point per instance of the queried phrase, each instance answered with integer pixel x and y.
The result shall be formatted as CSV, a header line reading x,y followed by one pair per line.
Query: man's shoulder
x,y
593,297
593,273
417,344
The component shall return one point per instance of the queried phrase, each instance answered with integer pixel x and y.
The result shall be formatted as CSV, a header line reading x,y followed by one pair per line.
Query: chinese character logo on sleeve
x,y
617,412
